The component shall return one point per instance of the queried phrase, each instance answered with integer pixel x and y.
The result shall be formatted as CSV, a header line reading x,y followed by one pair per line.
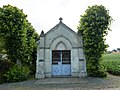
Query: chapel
x,y
60,53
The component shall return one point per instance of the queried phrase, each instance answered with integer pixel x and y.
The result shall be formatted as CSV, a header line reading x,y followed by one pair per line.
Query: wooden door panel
x,y
61,62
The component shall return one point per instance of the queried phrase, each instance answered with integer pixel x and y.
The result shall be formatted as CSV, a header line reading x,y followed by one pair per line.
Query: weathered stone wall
x,y
48,63
40,59
62,31
60,37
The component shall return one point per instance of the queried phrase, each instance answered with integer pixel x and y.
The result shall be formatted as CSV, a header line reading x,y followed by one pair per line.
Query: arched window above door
x,y
61,46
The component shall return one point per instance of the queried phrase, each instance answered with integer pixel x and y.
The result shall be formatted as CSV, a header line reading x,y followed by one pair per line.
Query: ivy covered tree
x,y
13,30
94,26
2,49
31,54
19,35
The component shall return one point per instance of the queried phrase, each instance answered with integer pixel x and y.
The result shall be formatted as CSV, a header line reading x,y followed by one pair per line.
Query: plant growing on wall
x,y
94,26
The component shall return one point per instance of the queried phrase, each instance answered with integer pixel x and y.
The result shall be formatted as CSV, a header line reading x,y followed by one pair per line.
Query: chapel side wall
x,y
82,63
74,62
48,63
40,59
37,62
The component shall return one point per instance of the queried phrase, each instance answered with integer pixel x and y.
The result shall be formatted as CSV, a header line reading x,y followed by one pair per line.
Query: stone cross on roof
x,y
60,19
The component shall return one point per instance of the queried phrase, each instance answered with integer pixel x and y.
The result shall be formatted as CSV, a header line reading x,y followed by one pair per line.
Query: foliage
x,y
4,67
118,49
19,36
1,45
32,38
16,74
94,26
13,30
111,56
112,63
114,50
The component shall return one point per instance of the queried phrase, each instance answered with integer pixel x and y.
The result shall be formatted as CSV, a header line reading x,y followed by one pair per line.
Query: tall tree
x,y
32,37
2,49
12,28
18,33
94,26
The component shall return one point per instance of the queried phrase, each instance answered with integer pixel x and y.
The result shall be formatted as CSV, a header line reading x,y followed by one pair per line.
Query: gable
x,y
58,26
63,31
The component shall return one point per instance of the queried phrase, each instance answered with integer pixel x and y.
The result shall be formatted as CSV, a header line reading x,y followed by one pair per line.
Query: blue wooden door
x,y
66,62
61,63
56,69
66,69
56,63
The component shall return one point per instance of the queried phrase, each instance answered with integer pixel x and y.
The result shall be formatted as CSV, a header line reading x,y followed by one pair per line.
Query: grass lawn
x,y
112,63
112,56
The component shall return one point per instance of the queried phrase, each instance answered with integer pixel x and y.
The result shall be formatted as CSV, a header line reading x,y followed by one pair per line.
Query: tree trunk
x,y
18,62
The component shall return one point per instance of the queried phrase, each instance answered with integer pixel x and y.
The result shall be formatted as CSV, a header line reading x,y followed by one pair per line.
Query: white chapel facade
x,y
60,53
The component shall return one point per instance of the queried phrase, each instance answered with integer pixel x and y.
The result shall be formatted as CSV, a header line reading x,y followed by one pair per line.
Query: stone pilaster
x,y
82,64
82,68
40,58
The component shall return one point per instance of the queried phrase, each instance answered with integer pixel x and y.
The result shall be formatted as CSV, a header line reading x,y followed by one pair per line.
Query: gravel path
x,y
89,83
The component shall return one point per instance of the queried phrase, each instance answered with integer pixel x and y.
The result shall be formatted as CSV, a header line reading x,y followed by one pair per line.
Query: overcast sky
x,y
44,14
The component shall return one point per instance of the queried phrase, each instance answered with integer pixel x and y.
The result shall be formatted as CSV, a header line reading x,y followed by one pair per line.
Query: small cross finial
x,y
60,19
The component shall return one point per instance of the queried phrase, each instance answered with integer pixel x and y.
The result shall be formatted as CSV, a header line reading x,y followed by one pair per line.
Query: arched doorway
x,y
61,56
61,62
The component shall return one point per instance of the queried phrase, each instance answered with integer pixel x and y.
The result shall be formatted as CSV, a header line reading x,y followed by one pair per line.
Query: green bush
x,y
16,74
4,67
112,66
98,71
